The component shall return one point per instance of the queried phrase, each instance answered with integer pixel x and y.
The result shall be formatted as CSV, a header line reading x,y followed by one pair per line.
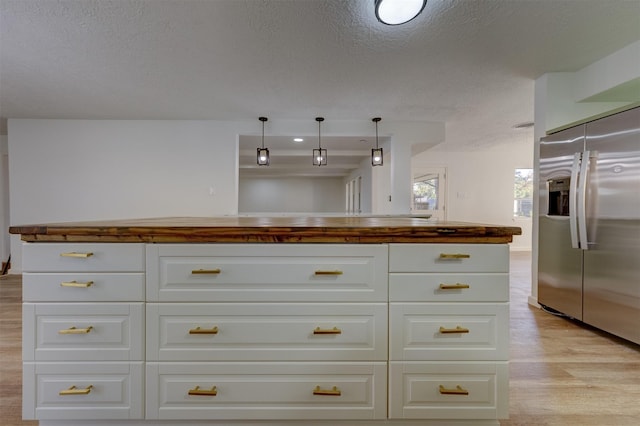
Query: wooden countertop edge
x,y
248,234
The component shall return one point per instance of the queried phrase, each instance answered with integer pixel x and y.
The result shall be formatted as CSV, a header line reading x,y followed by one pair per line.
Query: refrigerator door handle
x,y
573,203
582,201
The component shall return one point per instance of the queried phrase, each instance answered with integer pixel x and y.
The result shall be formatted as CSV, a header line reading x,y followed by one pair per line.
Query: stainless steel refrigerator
x,y
589,223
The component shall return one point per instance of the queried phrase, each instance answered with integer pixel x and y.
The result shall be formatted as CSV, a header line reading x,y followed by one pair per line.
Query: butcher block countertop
x,y
243,229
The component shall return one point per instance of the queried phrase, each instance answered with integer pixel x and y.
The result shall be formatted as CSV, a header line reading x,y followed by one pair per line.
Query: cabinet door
x,y
83,331
82,390
448,258
267,273
449,331
83,287
470,287
266,391
267,331
82,257
435,390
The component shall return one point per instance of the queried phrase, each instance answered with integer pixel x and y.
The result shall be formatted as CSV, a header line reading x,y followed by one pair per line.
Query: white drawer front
x,y
448,287
115,392
271,331
82,257
88,331
275,273
83,287
421,390
436,331
448,258
267,391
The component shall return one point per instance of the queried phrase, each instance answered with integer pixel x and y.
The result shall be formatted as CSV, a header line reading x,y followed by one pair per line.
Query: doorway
x,y
429,192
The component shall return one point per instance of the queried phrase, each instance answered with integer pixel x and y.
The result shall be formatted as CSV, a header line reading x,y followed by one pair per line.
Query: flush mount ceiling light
x,y
396,12
319,155
263,153
376,153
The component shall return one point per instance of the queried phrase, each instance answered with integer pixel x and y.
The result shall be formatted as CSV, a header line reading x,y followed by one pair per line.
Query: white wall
x,y
480,184
66,170
5,249
365,171
292,195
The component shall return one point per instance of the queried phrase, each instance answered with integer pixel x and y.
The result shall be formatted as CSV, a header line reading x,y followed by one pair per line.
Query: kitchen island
x,y
265,321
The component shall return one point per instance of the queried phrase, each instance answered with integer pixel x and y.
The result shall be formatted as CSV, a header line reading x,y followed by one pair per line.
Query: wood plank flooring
x,y
563,373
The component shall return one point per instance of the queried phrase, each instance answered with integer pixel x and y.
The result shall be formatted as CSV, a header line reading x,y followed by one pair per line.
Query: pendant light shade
x,y
397,12
320,154
376,153
263,153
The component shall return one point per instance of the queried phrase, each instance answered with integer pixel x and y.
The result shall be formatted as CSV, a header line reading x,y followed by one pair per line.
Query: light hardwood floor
x,y
562,373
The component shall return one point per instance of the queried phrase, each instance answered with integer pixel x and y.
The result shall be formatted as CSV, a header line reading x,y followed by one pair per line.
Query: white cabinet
x,y
337,334
267,331
277,390
267,272
449,331
319,352
83,359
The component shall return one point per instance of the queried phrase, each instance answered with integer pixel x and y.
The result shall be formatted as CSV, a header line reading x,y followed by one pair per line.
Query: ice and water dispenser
x,y
559,196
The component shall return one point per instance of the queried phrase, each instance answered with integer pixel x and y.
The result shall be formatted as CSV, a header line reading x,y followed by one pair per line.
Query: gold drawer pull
x,y
204,392
76,284
74,330
456,286
75,254
457,391
330,392
458,329
206,271
199,330
454,256
334,330
328,272
75,391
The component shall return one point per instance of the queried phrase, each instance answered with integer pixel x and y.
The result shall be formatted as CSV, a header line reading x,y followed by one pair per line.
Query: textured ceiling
x,y
471,64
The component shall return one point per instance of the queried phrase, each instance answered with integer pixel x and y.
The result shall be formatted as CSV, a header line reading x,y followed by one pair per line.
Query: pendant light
x,y
263,153
319,155
397,12
376,153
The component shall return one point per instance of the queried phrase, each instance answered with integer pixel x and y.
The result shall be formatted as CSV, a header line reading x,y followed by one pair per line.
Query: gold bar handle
x,y
320,272
457,330
204,392
75,391
76,254
457,391
334,330
206,271
456,286
454,256
199,330
74,330
76,284
330,392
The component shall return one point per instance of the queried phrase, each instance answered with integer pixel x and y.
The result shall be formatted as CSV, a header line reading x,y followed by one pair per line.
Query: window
x,y
523,193
425,193
429,191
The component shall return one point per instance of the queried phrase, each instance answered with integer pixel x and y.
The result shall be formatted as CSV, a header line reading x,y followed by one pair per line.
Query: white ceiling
x,y
468,63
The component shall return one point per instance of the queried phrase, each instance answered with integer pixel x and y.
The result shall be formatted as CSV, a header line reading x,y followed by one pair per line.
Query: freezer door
x,y
612,263
559,265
